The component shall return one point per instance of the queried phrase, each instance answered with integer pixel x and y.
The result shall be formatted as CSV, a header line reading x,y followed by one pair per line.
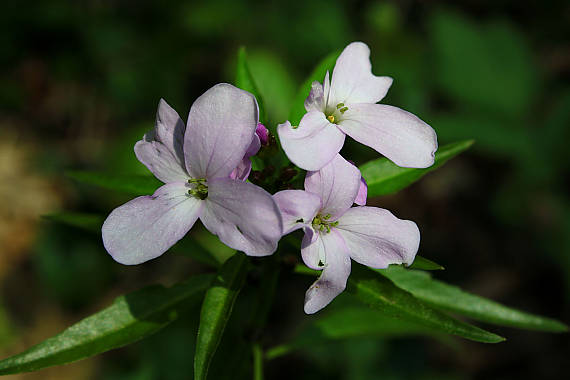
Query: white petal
x,y
159,160
148,226
298,208
221,125
352,79
160,150
332,280
244,216
336,184
316,99
376,238
393,132
312,144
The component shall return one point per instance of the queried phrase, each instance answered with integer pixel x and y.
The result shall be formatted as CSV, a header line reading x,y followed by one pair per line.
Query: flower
x,y
335,232
346,106
196,167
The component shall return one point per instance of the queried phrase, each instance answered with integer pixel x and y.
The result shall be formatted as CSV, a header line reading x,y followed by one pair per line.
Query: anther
x,y
330,118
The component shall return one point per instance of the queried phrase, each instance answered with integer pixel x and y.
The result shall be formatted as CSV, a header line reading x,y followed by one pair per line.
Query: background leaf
x,y
216,310
245,81
384,177
85,221
130,318
130,184
452,298
318,74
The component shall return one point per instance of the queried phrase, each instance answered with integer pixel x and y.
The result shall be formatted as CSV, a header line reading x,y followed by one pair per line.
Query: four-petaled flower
x,y
335,232
346,105
198,164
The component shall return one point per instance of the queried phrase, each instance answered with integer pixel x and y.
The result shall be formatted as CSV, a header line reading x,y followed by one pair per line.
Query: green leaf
x,y
381,294
245,81
84,221
384,177
275,84
483,65
425,264
216,310
130,184
452,298
349,321
318,74
130,318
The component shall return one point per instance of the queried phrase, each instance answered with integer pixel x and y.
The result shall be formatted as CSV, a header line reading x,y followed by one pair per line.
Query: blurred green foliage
x,y
82,80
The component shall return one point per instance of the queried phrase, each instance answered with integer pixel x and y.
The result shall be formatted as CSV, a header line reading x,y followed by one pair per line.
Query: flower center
x,y
322,223
200,189
334,115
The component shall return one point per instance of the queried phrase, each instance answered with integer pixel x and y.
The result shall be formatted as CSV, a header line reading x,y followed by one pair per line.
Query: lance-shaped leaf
x,y
452,298
216,311
318,74
425,264
384,177
245,81
129,184
381,294
350,321
130,318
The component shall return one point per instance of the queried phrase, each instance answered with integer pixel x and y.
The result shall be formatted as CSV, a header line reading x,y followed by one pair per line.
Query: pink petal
x,y
160,150
332,280
221,125
262,133
241,172
244,216
312,144
395,133
352,79
148,226
298,208
316,99
362,193
376,238
336,184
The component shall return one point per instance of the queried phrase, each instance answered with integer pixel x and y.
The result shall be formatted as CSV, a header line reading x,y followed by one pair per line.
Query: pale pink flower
x,y
196,162
335,232
346,106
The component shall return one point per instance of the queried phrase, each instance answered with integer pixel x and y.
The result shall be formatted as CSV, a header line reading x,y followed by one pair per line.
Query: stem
x,y
257,362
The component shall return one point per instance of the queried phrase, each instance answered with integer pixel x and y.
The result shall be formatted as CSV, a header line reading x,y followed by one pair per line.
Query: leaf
x,y
130,318
245,81
381,294
489,66
84,221
425,264
216,310
349,321
452,298
318,74
384,177
130,184
274,83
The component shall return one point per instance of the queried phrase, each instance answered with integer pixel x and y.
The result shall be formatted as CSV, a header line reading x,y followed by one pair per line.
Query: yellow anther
x,y
331,118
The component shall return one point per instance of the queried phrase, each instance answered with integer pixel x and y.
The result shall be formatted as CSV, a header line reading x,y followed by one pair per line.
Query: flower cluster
x,y
205,166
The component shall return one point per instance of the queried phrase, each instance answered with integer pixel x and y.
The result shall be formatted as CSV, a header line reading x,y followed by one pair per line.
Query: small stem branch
x,y
257,362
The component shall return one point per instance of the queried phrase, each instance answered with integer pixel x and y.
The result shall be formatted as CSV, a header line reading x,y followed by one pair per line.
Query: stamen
x,y
321,223
339,106
331,118
201,189
343,110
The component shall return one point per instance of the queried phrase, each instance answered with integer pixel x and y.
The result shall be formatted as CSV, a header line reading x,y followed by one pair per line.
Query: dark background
x,y
80,82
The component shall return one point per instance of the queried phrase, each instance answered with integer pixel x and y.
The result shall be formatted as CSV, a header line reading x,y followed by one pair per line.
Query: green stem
x,y
257,362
